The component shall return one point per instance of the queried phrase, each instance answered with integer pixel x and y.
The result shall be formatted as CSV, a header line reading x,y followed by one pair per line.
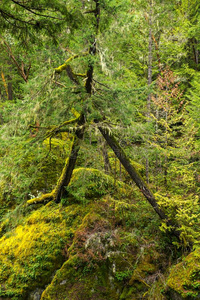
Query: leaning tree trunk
x,y
136,177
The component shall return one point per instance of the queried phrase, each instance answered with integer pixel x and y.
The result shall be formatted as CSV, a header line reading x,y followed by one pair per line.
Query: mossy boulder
x,y
95,244
31,252
106,260
88,183
184,278
76,282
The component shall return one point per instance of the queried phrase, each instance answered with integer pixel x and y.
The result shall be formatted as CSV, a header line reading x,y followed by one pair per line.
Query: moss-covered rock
x,y
106,260
101,242
88,183
184,278
32,251
74,281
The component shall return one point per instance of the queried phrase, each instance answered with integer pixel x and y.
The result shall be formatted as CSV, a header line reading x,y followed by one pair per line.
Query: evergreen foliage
x,y
83,84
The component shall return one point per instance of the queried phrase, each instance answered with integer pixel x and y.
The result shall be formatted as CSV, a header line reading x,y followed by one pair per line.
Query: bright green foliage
x,y
103,238
194,105
186,211
174,141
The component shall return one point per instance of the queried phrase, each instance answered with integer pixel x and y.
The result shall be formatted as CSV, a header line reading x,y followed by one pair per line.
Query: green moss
x,y
32,251
73,282
95,248
184,278
94,255
142,270
103,258
88,183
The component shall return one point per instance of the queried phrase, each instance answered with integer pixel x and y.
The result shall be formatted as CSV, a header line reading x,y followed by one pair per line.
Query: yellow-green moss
x,y
64,66
32,251
88,255
184,277
99,244
42,199
103,257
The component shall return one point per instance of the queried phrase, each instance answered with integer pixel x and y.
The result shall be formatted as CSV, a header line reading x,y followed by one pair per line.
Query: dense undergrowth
x,y
74,76
92,233
103,244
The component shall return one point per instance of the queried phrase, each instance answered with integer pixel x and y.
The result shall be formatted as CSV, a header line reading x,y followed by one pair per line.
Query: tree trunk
x,y
70,163
150,60
67,171
135,176
107,166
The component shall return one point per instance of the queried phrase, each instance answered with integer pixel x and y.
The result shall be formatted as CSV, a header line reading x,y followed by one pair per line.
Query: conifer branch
x,y
33,12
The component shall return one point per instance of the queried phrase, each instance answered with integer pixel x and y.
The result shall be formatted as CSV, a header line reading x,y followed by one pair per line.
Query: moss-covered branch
x,y
56,129
42,199
66,63
81,74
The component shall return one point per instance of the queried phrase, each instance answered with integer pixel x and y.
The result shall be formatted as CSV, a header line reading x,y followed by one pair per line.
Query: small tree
x,y
83,120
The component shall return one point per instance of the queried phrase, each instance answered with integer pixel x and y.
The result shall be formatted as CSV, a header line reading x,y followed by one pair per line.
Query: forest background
x,y
84,82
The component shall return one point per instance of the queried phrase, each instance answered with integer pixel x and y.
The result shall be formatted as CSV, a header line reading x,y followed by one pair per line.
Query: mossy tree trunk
x,y
70,165
70,162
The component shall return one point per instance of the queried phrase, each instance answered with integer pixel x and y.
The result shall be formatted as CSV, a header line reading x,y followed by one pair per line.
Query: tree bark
x,y
136,177
150,61
70,163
